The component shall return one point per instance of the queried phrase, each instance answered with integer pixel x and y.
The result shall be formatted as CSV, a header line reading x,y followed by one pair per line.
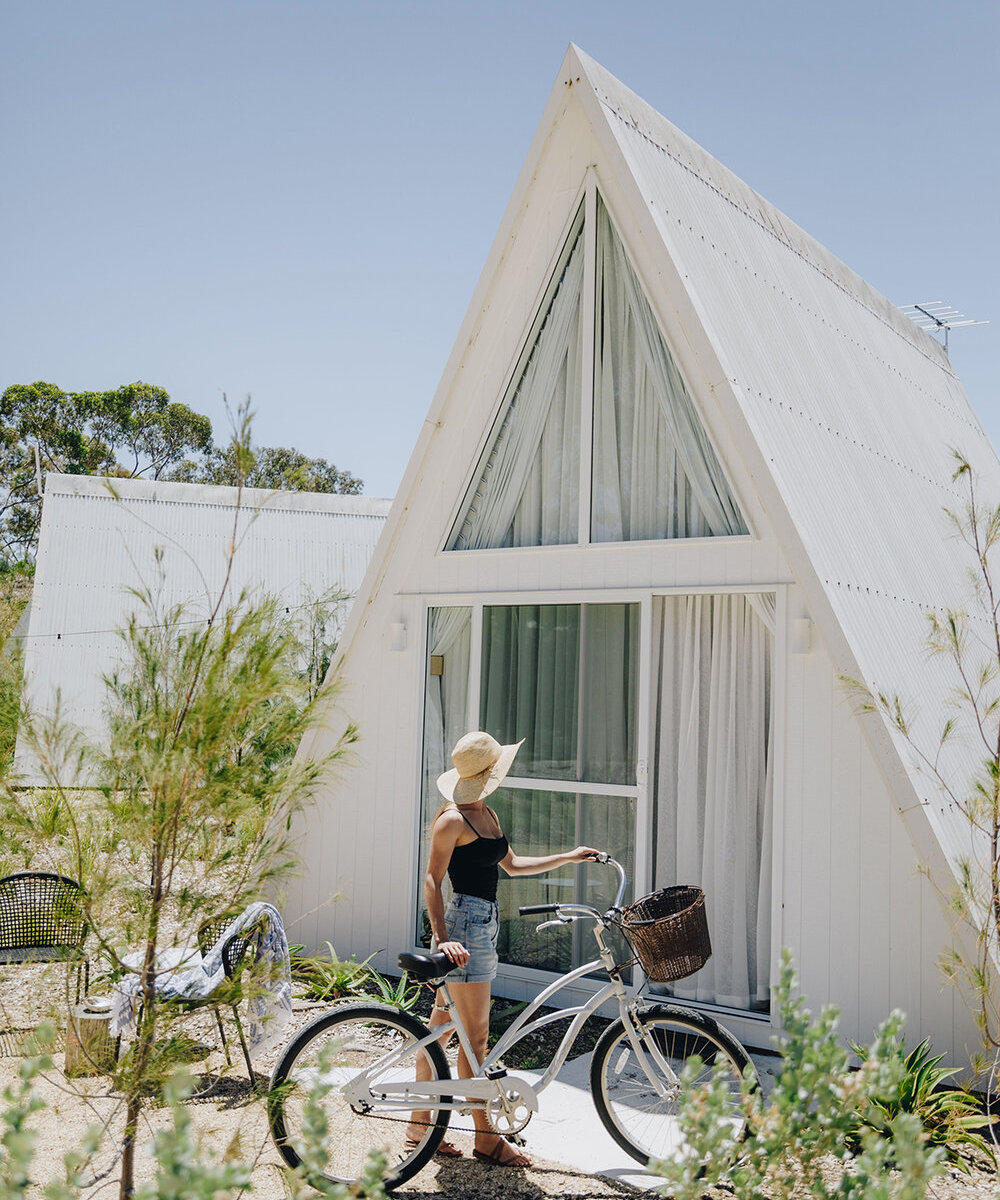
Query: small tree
x,y
970,641
320,619
194,792
14,585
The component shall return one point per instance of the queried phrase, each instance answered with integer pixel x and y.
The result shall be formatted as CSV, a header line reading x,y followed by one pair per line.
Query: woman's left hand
x,y
584,854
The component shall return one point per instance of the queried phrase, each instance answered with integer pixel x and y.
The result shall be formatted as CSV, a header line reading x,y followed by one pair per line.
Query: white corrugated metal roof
x,y
852,407
96,544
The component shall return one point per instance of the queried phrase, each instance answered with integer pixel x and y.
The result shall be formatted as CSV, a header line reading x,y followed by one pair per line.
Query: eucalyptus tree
x,y
132,430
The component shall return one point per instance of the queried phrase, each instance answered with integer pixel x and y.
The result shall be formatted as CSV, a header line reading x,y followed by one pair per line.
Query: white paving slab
x,y
567,1129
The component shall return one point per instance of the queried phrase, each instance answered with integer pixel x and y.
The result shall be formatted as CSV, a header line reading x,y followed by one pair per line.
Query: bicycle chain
x,y
429,1124
450,1127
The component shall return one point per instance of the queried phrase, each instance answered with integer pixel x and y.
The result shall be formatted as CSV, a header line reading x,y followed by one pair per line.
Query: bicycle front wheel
x,y
338,1061
638,1097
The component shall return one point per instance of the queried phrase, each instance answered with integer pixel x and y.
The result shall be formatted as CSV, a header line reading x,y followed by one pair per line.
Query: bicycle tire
x,y
358,1035
641,1121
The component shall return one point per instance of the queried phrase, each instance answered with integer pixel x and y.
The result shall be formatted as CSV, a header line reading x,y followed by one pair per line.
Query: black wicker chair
x,y
42,919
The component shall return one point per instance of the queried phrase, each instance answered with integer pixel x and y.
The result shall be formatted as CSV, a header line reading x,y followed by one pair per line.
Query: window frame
x,y
585,200
645,711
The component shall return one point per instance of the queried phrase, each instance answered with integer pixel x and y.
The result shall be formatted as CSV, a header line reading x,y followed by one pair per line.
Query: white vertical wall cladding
x,y
95,548
845,817
875,995
864,922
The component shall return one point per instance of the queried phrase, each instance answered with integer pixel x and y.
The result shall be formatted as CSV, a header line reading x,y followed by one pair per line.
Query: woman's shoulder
x,y
449,818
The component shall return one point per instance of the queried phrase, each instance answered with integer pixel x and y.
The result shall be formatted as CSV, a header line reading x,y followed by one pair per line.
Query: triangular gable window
x,y
653,472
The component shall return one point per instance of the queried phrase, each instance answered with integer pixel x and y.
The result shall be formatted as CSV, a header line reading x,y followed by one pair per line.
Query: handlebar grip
x,y
527,909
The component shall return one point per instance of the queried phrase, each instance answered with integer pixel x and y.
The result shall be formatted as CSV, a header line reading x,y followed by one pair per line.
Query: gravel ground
x,y
233,1121
234,1114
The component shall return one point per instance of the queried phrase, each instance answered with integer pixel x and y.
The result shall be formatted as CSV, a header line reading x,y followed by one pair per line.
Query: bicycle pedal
x,y
515,1139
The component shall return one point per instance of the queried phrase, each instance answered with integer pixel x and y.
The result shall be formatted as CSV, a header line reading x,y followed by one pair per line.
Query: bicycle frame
x,y
481,1086
486,1079
371,1062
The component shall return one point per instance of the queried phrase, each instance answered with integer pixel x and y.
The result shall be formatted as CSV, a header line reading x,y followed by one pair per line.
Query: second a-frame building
x,y
684,472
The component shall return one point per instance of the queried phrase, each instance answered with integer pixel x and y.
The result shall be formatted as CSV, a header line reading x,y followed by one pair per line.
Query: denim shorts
x,y
475,923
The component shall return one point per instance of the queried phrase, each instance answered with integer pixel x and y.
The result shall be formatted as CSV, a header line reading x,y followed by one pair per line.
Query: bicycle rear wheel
x,y
326,1057
639,1112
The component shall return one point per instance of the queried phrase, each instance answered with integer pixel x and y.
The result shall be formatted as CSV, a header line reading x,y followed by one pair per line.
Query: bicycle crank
x,y
510,1110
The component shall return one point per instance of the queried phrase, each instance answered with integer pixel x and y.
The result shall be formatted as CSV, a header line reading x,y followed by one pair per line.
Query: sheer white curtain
x,y
655,474
530,684
446,703
529,487
713,782
563,677
446,712
609,637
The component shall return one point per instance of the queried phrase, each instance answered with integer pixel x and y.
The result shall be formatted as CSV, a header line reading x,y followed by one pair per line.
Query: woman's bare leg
x,y
473,1003
420,1120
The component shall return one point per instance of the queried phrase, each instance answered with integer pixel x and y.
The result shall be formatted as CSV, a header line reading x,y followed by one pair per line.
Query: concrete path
x,y
567,1129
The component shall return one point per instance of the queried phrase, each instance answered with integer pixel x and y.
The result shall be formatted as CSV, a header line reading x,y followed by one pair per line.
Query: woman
x,y
468,843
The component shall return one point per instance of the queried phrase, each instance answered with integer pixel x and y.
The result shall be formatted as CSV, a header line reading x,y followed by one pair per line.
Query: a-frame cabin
x,y
683,472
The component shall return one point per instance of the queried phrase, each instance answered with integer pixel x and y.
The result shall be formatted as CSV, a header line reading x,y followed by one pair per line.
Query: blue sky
x,y
294,200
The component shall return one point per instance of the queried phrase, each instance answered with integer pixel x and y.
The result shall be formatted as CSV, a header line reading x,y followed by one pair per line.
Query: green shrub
x,y
186,1167
18,1138
308,1177
810,1118
327,977
400,993
951,1117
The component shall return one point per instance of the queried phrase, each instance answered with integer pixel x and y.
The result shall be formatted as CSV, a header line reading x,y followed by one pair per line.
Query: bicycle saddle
x,y
426,966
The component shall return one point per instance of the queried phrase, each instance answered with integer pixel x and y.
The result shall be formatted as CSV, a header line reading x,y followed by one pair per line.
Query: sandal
x,y
503,1155
445,1149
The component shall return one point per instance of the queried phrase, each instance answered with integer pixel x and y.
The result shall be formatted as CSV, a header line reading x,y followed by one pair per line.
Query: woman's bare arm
x,y
444,838
520,864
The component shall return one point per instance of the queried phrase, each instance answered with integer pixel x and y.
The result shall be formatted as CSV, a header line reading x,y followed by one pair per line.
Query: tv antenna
x,y
935,315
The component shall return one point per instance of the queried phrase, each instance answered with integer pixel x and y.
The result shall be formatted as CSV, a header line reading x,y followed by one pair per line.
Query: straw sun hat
x,y
480,766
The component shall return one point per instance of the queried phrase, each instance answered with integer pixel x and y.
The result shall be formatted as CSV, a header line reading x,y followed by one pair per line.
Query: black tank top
x,y
474,868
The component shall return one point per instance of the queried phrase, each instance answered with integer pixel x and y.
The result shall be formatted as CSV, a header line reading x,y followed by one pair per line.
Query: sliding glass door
x,y
565,677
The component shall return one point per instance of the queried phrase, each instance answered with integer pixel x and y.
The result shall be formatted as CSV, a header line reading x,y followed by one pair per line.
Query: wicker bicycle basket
x,y
669,932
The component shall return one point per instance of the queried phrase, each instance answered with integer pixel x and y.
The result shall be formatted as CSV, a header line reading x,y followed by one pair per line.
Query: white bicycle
x,y
365,1056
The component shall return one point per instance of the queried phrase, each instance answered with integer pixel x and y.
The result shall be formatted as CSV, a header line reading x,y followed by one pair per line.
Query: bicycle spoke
x,y
337,1055
638,1098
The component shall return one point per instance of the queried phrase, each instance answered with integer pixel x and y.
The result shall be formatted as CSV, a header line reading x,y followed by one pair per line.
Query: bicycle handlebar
x,y
529,909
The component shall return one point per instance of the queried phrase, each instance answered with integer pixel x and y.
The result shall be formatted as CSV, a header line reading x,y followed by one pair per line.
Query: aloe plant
x,y
951,1117
400,993
327,977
